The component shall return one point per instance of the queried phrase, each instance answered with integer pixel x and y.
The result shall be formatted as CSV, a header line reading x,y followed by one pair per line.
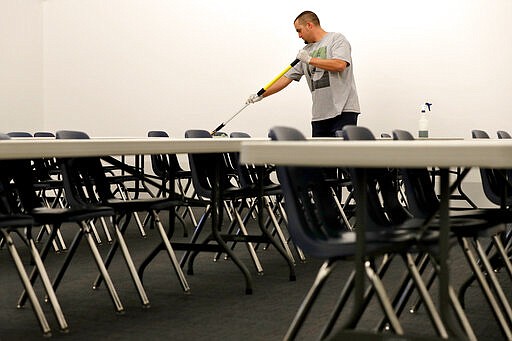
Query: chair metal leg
x,y
340,303
425,296
48,286
105,229
94,232
503,253
278,229
498,314
383,299
124,195
502,298
113,248
340,208
48,229
67,260
170,252
282,211
131,267
461,315
195,235
36,306
322,275
101,267
34,273
249,245
273,241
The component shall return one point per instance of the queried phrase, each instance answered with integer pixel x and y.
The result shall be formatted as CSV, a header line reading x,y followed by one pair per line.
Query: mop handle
x,y
262,90
259,93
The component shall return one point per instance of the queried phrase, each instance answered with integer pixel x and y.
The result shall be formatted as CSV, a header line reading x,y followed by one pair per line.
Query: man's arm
x,y
279,85
334,65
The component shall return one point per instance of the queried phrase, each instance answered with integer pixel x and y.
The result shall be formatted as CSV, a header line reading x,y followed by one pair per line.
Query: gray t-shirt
x,y
332,92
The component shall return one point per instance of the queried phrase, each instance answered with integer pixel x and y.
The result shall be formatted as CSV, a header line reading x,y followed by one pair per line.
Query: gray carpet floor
x,y
217,307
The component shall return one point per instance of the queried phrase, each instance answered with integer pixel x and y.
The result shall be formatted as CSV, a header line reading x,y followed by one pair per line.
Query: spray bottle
x,y
423,123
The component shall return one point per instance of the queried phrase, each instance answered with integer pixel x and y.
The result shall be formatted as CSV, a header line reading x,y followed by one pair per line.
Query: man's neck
x,y
319,35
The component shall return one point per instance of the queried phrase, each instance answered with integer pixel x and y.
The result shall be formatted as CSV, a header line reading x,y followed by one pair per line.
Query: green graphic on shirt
x,y
319,77
320,53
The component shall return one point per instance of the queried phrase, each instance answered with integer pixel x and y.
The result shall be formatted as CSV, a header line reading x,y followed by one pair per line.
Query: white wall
x,y
21,65
123,67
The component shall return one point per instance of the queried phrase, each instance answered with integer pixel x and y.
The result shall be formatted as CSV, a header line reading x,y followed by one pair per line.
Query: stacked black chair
x,y
44,134
87,184
212,182
468,226
19,134
502,134
168,170
82,215
48,184
316,226
259,177
12,219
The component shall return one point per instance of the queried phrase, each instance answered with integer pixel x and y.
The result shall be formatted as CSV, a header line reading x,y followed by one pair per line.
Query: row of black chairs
x,y
88,197
409,230
314,219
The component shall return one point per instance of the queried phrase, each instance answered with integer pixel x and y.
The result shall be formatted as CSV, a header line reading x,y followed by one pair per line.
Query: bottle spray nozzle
x,y
426,106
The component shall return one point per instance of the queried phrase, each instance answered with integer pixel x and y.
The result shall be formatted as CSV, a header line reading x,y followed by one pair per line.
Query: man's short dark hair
x,y
308,16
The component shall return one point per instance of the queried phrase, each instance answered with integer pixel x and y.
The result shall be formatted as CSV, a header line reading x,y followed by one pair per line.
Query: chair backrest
x,y
17,194
159,162
384,206
313,216
19,134
247,174
422,200
203,166
162,164
44,134
502,134
84,178
493,181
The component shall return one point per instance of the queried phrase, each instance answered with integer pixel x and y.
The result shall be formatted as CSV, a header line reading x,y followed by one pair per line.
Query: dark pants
x,y
328,127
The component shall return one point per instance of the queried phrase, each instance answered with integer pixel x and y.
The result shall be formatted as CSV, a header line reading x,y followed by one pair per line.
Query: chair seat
x,y
345,246
139,205
15,220
45,215
48,184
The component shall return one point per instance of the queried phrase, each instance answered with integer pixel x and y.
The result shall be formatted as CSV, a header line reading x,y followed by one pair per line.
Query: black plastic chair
x,y
468,226
86,184
19,134
82,215
316,226
494,181
44,134
48,184
211,181
167,168
251,176
21,223
502,134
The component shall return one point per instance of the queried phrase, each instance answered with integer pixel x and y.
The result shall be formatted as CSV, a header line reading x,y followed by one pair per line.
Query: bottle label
x,y
423,133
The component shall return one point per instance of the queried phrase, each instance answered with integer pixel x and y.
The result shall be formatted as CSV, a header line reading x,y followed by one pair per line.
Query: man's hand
x,y
304,56
253,99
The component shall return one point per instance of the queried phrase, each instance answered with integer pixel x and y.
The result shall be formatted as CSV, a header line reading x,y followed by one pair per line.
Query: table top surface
x,y
381,153
37,148
337,153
